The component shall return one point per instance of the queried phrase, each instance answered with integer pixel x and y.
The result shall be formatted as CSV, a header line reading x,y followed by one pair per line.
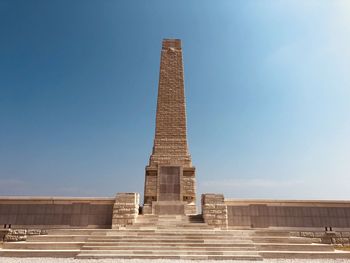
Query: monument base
x,y
169,208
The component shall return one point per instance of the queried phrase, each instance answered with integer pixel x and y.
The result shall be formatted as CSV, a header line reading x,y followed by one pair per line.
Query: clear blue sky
x,y
267,86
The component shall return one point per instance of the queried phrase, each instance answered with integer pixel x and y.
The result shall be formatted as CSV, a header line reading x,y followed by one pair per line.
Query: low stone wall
x,y
14,235
214,210
275,213
3,233
126,209
341,238
44,212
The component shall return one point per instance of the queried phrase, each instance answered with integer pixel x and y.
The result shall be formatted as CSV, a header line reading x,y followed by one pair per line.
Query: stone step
x,y
179,231
39,253
43,245
75,231
181,256
171,224
271,233
305,254
293,247
158,240
291,240
175,227
168,252
77,238
195,238
175,237
171,233
171,247
156,245
166,220
57,238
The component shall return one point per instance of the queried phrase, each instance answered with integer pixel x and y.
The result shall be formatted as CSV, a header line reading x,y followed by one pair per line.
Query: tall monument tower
x,y
170,176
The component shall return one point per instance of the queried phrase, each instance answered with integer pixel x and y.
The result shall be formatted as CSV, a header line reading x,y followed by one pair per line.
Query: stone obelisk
x,y
170,176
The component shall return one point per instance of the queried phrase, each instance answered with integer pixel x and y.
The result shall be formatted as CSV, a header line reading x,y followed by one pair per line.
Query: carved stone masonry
x,y
214,210
125,209
170,175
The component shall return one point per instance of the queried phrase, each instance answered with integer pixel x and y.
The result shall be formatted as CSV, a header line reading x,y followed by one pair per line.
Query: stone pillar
x,y
125,210
214,210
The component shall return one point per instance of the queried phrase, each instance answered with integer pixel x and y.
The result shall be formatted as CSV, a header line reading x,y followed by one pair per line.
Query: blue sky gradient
x,y
267,86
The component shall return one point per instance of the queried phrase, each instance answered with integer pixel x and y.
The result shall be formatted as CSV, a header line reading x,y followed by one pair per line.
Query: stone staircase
x,y
170,237
279,244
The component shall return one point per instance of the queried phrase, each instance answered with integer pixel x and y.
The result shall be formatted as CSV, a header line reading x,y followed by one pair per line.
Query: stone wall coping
x,y
270,202
54,200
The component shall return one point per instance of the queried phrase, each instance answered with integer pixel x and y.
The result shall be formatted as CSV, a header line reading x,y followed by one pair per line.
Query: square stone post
x,y
125,209
214,210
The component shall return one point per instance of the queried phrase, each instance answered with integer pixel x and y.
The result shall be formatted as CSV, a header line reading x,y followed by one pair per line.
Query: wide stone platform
x,y
171,237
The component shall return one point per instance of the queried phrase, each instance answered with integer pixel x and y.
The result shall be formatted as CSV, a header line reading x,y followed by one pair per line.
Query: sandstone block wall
x,y
49,212
150,191
188,185
266,213
170,142
214,210
170,147
125,209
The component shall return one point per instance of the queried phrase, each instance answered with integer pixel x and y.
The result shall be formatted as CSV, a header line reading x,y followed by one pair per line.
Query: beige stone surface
x,y
214,210
170,147
24,212
170,142
125,209
288,213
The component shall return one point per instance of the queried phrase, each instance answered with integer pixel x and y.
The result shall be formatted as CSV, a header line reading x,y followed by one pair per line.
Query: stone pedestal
x,y
172,186
168,208
125,210
214,210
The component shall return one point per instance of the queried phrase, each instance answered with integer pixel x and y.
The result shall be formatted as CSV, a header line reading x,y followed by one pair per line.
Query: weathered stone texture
x,y
151,186
14,235
214,210
279,213
170,142
339,238
125,210
15,238
188,184
170,148
77,212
